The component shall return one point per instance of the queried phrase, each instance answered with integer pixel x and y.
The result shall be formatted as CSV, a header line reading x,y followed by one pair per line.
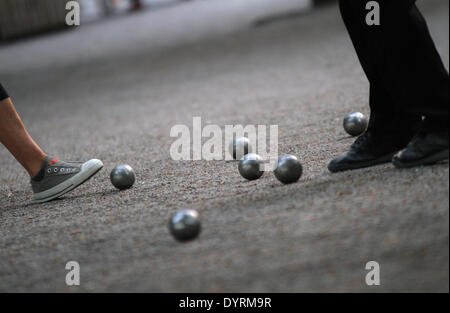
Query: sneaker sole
x,y
361,165
433,159
89,169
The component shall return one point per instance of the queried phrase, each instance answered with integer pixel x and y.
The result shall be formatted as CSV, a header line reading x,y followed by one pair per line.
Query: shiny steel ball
x,y
355,124
249,166
289,169
239,147
185,225
122,177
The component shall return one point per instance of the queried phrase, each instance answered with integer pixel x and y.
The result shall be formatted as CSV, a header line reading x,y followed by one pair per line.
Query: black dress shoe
x,y
427,147
369,150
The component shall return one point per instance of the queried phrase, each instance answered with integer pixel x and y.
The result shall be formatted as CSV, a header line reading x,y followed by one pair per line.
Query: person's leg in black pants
x,y
407,81
410,64
3,94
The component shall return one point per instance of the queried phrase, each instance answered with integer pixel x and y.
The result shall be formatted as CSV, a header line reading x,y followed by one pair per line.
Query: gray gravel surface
x,y
112,90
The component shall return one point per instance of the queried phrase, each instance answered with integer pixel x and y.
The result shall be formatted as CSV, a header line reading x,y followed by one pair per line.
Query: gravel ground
x,y
112,90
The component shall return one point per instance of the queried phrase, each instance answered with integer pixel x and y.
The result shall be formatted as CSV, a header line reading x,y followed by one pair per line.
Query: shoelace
x,y
361,140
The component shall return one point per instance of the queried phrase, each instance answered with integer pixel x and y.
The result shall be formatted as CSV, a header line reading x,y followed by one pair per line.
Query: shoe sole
x,y
357,166
433,159
90,168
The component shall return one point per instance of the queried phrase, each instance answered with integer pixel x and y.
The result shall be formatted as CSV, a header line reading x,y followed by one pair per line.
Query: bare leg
x,y
16,139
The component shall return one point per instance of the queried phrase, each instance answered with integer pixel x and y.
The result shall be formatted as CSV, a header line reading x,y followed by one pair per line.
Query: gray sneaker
x,y
61,177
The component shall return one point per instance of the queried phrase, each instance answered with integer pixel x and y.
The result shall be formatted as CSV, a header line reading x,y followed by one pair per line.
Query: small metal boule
x,y
289,169
185,225
122,177
239,147
355,124
249,166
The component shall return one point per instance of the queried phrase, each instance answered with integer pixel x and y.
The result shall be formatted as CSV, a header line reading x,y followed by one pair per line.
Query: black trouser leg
x,y
3,93
384,110
406,73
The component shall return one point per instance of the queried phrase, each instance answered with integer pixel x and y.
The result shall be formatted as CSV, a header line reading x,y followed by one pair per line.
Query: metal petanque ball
x,y
355,124
249,166
239,147
122,177
289,169
185,225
